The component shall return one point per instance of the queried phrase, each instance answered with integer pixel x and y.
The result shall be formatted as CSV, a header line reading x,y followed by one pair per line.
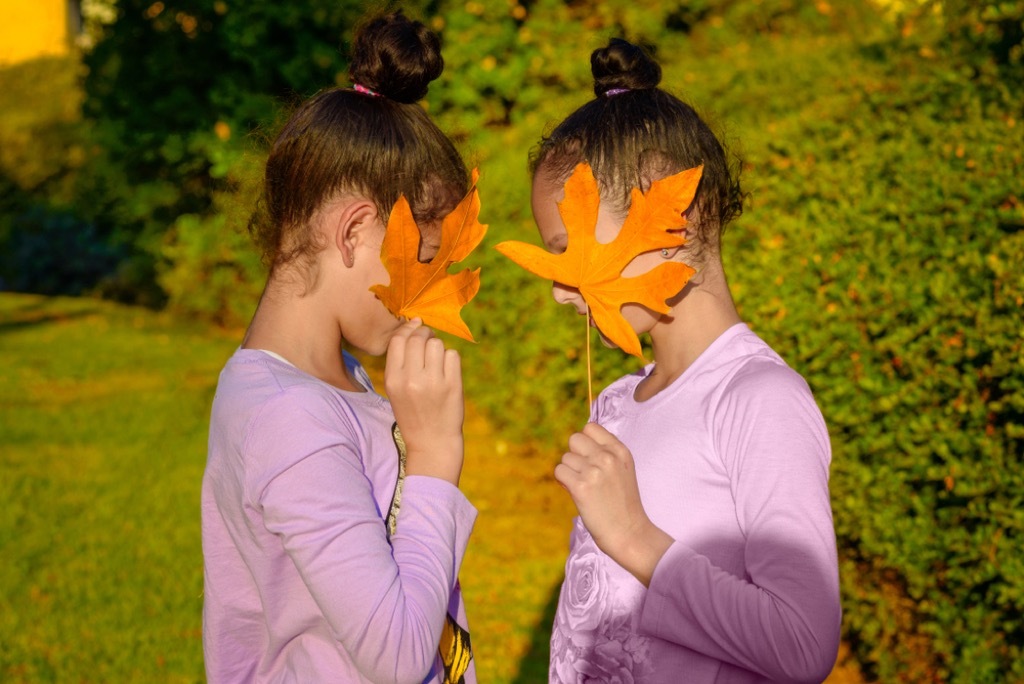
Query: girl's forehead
x,y
544,199
549,221
547,189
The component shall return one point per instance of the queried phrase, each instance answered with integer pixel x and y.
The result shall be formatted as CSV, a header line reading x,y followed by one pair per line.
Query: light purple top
x,y
732,461
301,582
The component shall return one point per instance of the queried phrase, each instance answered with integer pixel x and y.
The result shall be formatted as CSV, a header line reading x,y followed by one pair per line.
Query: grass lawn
x,y
103,421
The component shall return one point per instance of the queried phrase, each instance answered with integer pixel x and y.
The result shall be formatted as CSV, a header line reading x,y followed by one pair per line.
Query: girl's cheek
x,y
562,294
642,264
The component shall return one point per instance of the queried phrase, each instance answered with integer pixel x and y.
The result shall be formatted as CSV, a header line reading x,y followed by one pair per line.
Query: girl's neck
x,y
297,327
702,312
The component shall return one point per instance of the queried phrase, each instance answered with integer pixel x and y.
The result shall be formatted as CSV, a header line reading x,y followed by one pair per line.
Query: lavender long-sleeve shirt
x,y
301,581
732,461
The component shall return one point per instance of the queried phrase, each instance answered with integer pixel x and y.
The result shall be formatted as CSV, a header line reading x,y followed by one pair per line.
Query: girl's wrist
x,y
640,551
443,462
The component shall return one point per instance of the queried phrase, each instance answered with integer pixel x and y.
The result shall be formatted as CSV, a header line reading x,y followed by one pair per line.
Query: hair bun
x,y
396,57
623,65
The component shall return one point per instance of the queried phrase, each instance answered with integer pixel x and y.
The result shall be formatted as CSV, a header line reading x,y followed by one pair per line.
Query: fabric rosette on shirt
x,y
594,638
586,592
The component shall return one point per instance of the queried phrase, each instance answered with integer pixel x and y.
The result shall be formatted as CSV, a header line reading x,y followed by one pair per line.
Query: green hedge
x,y
883,259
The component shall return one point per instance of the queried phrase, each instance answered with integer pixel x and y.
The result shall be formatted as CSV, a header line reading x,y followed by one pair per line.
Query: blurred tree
x,y
41,153
174,91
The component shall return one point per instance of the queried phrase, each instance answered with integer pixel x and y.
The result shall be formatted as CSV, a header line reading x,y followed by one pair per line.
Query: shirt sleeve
x,y
385,603
782,620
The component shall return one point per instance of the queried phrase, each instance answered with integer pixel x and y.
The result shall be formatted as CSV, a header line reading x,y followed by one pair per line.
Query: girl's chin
x,y
375,347
605,341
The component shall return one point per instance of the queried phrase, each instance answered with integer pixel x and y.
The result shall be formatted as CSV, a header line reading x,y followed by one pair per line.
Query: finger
x,y
396,345
453,367
599,434
408,328
396,353
582,443
422,331
574,461
433,356
414,351
606,441
566,476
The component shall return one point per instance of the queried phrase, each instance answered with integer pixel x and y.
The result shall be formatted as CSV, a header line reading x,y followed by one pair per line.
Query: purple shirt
x,y
301,581
732,461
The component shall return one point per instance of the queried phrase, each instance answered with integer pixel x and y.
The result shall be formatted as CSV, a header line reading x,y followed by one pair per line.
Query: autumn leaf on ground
x,y
427,290
595,268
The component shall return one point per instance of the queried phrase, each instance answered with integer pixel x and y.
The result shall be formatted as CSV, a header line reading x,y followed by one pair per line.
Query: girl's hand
x,y
424,383
599,473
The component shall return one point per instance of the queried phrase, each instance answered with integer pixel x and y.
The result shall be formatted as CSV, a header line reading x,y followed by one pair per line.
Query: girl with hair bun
x,y
704,550
333,526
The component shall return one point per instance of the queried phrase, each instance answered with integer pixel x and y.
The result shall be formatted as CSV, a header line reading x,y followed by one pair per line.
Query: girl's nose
x,y
563,294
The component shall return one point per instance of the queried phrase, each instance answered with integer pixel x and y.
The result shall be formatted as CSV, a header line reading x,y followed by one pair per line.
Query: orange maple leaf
x,y
427,290
595,268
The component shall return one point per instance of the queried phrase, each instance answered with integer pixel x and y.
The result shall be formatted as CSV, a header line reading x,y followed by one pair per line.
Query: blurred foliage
x,y
173,90
54,252
210,266
41,149
880,253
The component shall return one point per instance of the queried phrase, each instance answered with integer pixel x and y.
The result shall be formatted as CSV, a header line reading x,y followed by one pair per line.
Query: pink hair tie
x,y
364,90
612,92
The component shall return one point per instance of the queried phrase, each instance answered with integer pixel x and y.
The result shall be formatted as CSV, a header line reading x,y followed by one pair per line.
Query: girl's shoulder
x,y
259,370
734,349
737,357
275,415
259,385
760,388
749,365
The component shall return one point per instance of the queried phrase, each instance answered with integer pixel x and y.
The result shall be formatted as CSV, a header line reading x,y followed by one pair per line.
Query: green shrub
x,y
45,246
210,267
880,267
51,252
40,129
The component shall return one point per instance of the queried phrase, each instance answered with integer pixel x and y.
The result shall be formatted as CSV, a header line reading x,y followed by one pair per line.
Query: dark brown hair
x,y
634,133
379,144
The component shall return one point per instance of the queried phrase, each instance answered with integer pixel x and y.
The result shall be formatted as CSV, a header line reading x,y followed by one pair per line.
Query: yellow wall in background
x,y
33,28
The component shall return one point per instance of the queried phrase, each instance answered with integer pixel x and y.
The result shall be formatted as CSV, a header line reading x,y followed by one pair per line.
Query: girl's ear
x,y
686,232
353,226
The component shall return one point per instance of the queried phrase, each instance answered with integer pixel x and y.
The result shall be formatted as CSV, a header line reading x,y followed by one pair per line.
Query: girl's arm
x,y
783,619
385,603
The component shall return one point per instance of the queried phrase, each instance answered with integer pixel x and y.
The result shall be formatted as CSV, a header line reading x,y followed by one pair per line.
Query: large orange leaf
x,y
595,268
427,290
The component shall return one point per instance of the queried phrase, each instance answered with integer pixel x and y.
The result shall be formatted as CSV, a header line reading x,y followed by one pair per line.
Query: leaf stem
x,y
590,382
